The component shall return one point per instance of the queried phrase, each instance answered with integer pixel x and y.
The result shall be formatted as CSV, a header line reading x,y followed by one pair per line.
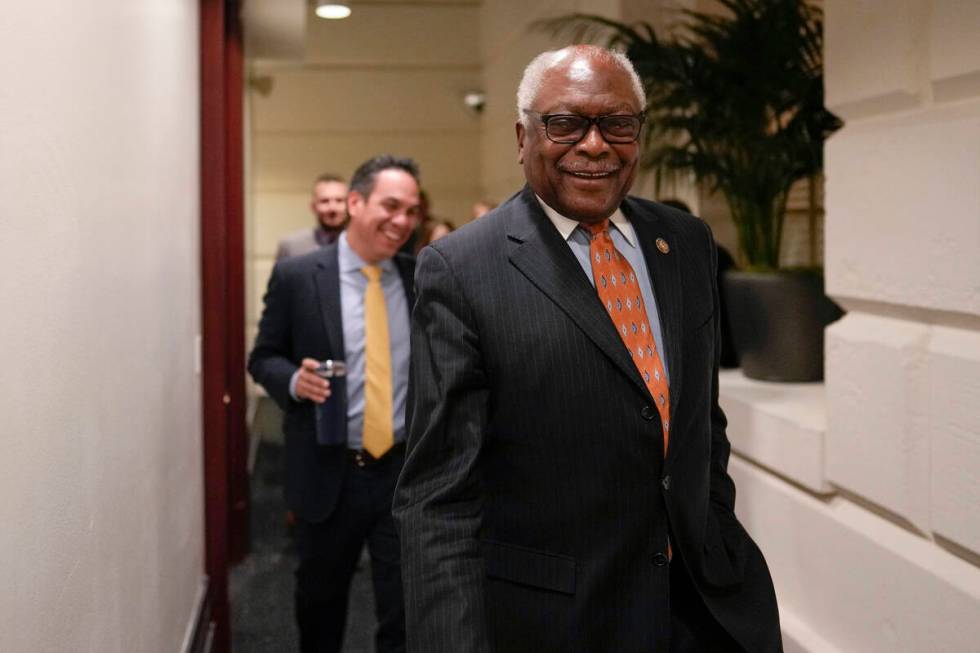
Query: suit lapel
x,y
406,270
664,271
327,280
545,259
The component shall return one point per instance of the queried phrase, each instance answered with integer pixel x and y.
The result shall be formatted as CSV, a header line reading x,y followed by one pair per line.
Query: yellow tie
x,y
378,427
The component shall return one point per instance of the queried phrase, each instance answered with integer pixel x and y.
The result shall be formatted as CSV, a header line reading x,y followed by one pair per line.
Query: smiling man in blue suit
x,y
348,301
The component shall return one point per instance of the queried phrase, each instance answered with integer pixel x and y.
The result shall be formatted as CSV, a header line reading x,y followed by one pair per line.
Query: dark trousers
x,y
328,555
693,629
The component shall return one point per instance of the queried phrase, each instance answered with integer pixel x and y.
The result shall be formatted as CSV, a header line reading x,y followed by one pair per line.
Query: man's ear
x,y
521,133
355,202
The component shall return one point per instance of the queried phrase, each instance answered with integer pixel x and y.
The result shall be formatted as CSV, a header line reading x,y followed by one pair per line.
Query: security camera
x,y
475,101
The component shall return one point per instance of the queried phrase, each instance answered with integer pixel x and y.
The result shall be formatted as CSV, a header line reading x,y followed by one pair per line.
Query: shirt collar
x,y
349,261
566,226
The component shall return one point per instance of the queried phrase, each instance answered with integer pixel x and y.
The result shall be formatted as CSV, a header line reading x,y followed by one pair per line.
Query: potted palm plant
x,y
736,101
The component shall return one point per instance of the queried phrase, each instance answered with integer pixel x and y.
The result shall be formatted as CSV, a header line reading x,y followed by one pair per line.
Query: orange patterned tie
x,y
620,293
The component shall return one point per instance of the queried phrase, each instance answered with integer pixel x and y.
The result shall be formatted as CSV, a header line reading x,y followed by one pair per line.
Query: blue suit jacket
x,y
302,319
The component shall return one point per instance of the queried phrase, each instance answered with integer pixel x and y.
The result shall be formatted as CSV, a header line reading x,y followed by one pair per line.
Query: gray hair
x,y
530,84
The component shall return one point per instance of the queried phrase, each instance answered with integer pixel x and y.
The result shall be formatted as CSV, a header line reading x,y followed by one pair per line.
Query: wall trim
x,y
199,632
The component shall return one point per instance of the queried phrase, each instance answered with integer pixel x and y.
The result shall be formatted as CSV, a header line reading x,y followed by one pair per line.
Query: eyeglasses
x,y
570,128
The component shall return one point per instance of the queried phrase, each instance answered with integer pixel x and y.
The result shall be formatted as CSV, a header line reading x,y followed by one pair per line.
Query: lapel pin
x,y
663,246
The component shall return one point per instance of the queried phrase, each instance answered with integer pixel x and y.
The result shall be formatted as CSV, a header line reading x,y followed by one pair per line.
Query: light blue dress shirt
x,y
624,238
353,283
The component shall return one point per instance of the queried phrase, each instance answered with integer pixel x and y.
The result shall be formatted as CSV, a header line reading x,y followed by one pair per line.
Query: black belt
x,y
363,458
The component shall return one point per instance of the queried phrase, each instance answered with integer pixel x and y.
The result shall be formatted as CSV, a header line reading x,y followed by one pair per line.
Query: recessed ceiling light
x,y
332,10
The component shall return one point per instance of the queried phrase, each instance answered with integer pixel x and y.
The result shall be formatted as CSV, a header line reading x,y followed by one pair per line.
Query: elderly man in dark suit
x,y
349,302
565,487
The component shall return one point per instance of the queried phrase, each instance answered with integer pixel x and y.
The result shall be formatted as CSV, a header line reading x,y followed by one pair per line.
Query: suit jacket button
x,y
648,413
659,559
666,483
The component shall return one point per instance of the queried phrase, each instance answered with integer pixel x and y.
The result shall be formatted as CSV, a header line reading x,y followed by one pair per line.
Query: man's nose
x,y
402,217
592,144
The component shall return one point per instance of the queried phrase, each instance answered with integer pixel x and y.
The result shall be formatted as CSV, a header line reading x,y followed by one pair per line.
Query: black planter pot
x,y
777,321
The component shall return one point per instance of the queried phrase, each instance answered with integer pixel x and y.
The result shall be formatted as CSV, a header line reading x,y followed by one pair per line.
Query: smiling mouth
x,y
392,236
591,174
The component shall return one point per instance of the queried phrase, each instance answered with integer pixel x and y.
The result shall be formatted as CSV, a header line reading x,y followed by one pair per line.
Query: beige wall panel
x,y
332,100
289,162
454,203
503,74
878,419
954,30
661,14
903,206
508,50
397,36
502,174
260,269
275,29
875,59
504,24
954,399
279,214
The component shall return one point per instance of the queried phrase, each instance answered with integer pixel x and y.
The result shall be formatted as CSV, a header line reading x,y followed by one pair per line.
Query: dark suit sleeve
x,y
722,486
438,500
270,362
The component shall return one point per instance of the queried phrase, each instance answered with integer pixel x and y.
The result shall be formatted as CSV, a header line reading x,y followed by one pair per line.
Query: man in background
x,y
566,487
348,301
329,205
483,207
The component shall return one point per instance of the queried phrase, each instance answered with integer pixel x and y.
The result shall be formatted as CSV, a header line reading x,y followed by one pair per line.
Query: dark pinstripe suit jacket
x,y
535,497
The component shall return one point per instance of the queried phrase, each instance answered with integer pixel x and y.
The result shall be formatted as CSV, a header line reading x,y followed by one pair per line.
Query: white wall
x,y
903,252
101,547
876,545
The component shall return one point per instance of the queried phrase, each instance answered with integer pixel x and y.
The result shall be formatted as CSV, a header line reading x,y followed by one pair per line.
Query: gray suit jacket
x,y
297,244
535,504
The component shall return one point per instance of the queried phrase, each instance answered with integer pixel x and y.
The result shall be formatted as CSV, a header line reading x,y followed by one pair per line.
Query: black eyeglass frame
x,y
545,118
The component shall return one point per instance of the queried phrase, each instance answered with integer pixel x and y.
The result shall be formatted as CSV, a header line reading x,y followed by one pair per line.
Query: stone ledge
x,y
849,580
780,426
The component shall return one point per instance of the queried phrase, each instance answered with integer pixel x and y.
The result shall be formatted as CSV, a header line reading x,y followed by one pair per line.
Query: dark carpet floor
x,y
261,586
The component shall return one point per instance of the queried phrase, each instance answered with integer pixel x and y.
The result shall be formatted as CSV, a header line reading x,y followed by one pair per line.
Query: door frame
x,y
222,305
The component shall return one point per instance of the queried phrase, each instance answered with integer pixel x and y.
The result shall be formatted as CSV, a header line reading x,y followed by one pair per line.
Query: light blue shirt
x,y
353,283
624,238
